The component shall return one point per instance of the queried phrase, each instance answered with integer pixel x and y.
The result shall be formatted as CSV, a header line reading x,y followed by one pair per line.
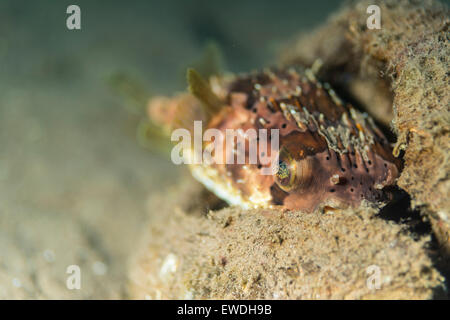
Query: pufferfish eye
x,y
286,176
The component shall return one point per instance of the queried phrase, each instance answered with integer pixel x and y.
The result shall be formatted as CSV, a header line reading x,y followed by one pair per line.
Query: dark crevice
x,y
399,211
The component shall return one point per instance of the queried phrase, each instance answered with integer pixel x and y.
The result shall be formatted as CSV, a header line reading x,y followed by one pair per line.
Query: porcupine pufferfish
x,y
330,154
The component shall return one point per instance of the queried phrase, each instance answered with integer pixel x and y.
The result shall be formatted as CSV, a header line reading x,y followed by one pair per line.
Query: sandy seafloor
x,y
74,182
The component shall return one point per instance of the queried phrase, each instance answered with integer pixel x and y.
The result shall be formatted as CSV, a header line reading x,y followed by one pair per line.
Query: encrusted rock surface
x,y
270,254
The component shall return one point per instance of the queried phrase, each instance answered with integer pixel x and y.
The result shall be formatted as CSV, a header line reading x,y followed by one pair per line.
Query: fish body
x,y
330,155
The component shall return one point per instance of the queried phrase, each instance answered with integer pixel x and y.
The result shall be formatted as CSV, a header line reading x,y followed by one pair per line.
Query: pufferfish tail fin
x,y
134,97
179,111
200,103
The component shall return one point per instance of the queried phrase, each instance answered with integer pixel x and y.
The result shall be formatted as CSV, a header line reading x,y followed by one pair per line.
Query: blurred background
x,y
75,176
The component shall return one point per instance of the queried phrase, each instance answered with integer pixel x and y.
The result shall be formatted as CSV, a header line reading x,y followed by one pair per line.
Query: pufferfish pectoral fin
x,y
201,89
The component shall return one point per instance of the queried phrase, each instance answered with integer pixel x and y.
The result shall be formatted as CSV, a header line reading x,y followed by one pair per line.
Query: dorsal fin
x,y
200,88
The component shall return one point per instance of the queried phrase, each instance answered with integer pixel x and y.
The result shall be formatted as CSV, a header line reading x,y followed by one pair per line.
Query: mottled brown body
x,y
331,155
